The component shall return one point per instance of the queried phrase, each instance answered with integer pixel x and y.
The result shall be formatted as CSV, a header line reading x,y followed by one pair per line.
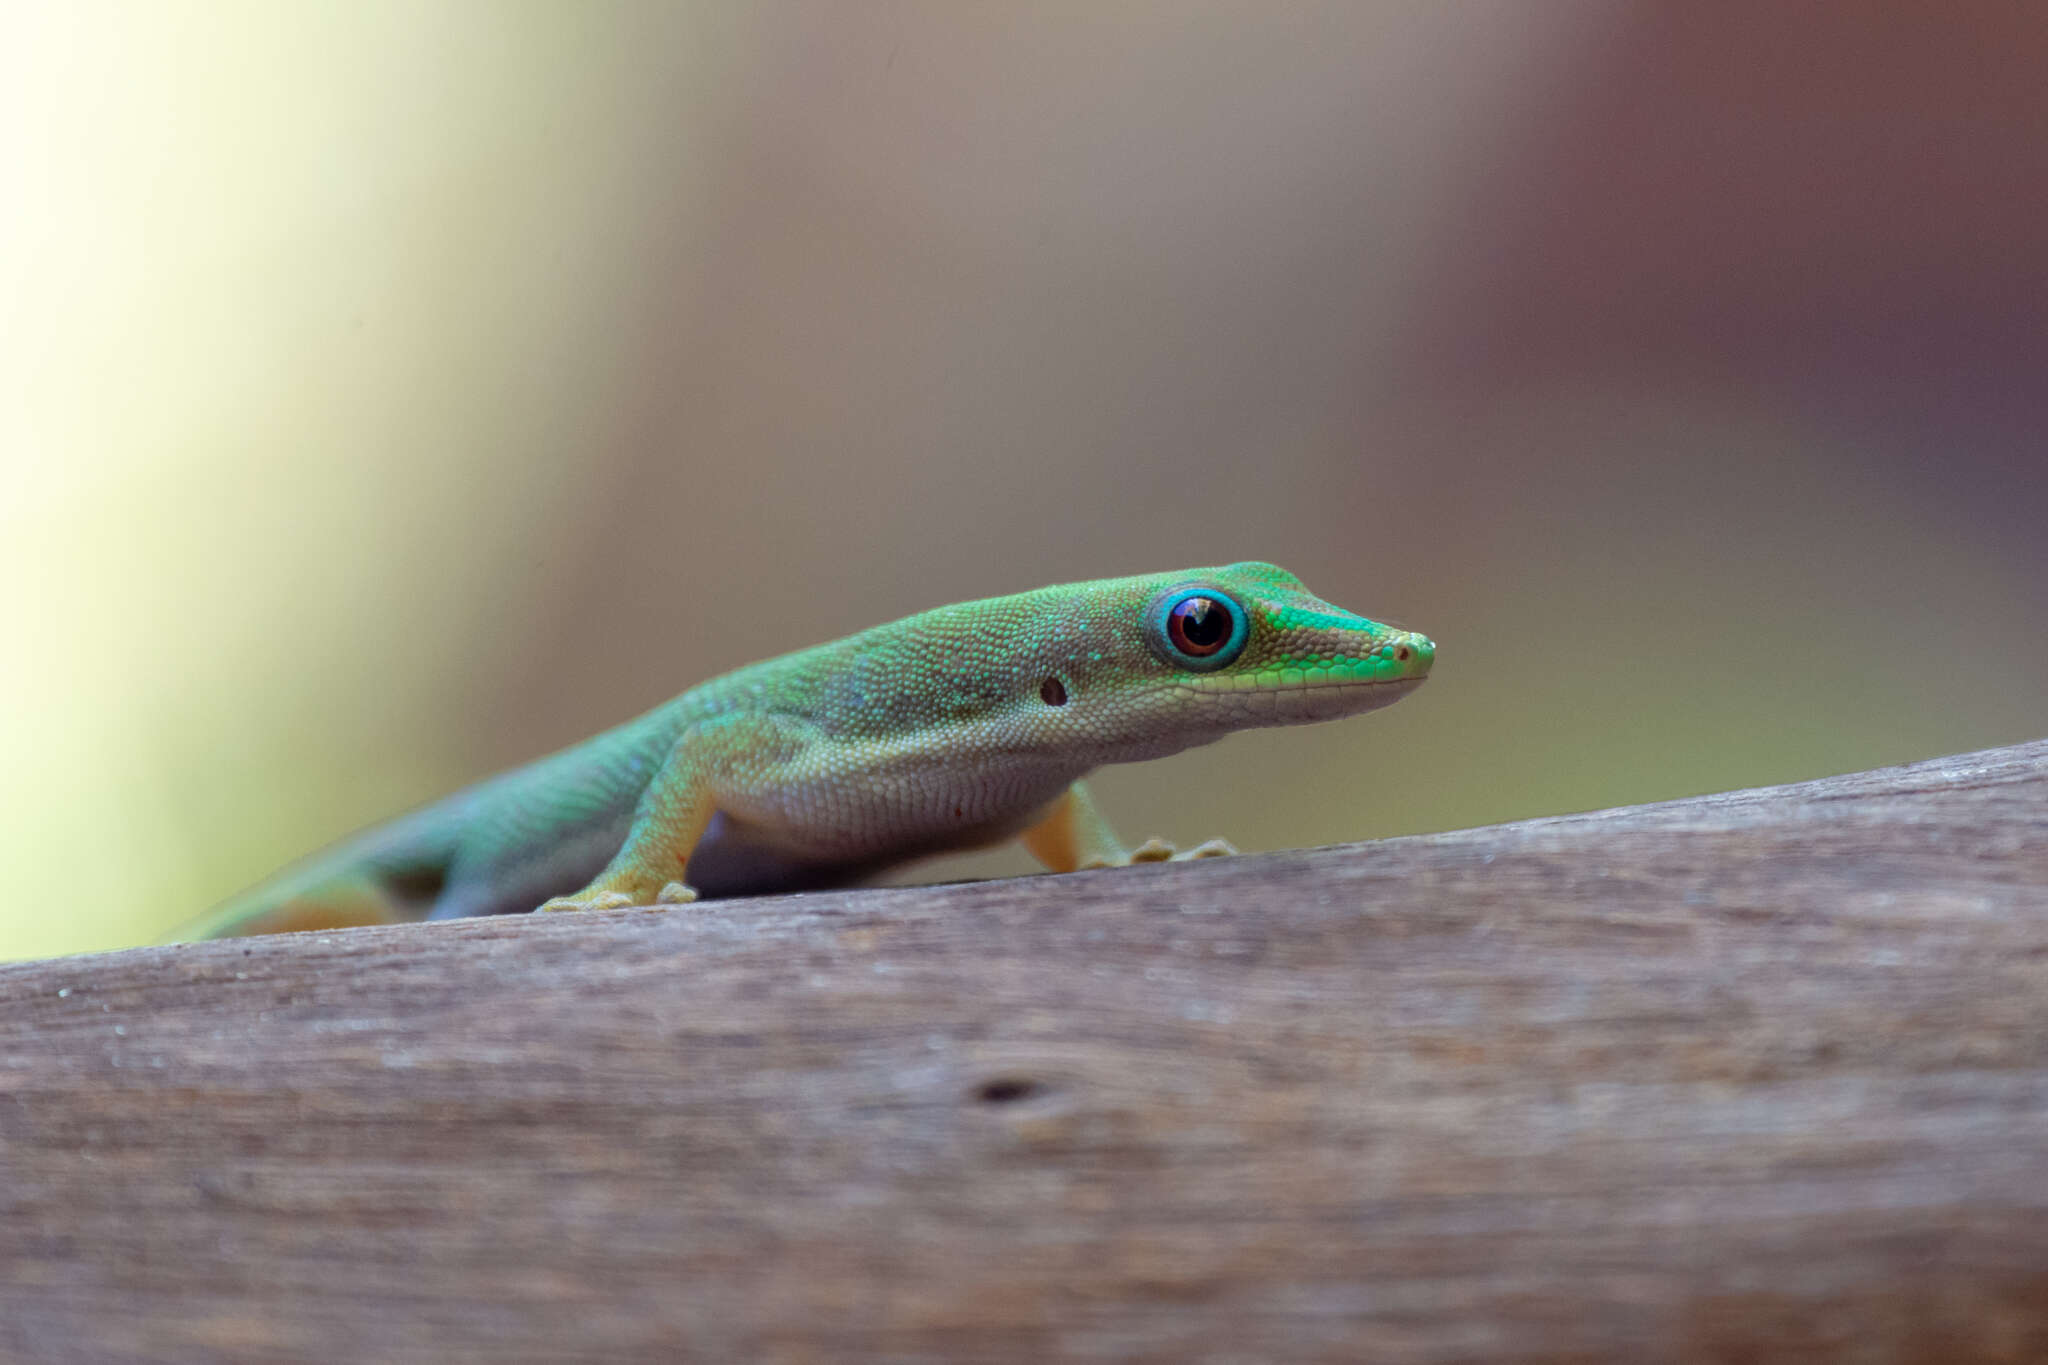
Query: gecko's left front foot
x,y
674,893
590,900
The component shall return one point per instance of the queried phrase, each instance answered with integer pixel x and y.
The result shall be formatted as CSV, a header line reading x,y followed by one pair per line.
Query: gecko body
x,y
952,729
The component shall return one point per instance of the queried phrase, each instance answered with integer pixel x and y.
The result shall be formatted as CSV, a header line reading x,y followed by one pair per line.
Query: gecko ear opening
x,y
1053,692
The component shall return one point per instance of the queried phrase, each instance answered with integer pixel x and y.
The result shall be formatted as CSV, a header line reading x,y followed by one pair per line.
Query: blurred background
x,y
396,392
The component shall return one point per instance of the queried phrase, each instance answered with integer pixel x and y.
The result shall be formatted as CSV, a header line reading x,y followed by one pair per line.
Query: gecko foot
x,y
1157,850
676,893
590,900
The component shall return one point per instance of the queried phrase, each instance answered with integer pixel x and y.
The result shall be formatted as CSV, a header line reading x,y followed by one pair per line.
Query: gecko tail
x,y
391,875
340,905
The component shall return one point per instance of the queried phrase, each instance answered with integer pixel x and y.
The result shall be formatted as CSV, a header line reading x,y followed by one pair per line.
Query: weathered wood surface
x,y
1758,1076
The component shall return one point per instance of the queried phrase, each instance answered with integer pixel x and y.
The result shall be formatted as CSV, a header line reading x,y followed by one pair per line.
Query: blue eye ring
x,y
1183,627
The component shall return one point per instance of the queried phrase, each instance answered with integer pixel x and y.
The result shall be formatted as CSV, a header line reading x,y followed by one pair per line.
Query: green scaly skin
x,y
952,729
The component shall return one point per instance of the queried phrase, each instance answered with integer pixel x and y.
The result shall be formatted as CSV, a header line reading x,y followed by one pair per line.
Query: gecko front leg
x,y
649,867
1073,834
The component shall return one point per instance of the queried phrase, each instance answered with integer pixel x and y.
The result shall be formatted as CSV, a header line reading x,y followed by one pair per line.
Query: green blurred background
x,y
397,391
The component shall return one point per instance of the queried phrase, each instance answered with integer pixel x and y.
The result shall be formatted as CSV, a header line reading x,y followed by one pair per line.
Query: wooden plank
x,y
1756,1076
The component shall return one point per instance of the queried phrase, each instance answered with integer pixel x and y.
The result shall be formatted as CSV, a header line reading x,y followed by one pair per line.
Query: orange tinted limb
x,y
649,867
1073,834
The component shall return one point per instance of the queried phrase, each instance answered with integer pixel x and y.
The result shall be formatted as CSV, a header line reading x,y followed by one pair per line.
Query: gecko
x,y
956,728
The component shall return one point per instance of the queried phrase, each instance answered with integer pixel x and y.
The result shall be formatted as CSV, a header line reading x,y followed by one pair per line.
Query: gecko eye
x,y
1199,626
1201,629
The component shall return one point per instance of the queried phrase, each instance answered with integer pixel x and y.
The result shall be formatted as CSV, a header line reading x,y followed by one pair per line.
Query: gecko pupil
x,y
1200,626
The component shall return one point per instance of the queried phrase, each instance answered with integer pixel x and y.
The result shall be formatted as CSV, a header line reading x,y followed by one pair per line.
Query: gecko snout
x,y
1413,654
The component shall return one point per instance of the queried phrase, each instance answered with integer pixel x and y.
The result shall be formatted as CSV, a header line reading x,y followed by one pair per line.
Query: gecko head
x,y
1249,639
1198,654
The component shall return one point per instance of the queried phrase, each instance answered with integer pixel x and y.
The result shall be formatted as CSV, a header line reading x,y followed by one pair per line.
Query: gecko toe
x,y
593,900
1152,851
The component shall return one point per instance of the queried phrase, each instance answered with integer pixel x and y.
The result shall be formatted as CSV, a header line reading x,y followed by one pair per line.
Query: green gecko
x,y
953,729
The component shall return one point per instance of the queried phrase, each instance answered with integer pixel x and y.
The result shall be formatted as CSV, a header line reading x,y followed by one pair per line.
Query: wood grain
x,y
1755,1076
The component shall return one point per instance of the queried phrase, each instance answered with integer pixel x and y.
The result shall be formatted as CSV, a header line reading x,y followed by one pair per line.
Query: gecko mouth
x,y
1252,686
1302,702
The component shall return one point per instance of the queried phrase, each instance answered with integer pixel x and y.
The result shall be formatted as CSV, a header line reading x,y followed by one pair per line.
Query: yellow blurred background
x,y
394,392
